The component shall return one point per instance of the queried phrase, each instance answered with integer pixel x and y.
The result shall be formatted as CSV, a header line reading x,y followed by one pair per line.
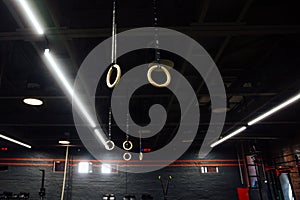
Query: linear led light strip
x,y
228,136
15,141
259,118
40,31
68,87
273,110
31,17
56,71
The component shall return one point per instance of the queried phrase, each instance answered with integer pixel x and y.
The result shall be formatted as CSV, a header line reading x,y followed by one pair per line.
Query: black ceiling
x,y
255,44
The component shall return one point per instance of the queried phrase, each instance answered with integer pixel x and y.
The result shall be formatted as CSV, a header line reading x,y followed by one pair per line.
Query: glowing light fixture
x,y
33,101
228,136
101,138
220,110
106,169
84,167
55,69
273,110
32,18
61,77
65,142
14,141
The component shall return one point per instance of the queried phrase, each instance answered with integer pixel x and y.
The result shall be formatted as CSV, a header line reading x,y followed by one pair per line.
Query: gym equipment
x,y
129,197
165,191
113,53
164,69
109,141
146,197
127,156
6,195
42,192
157,66
23,195
10,195
127,144
141,153
65,174
108,197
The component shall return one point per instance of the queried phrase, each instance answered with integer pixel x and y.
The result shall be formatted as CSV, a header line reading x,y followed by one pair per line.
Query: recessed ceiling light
x,y
33,101
63,142
187,141
220,110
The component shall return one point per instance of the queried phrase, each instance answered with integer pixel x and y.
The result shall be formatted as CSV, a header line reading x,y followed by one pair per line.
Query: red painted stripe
x,y
127,165
28,164
110,161
183,165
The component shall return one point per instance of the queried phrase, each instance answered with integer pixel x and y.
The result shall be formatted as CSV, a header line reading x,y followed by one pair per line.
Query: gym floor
x,y
157,99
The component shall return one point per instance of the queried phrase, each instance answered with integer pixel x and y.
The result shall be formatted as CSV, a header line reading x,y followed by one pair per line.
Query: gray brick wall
x,y
188,182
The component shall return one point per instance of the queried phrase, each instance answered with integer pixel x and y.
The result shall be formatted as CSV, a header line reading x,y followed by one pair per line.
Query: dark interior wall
x,y
283,153
187,182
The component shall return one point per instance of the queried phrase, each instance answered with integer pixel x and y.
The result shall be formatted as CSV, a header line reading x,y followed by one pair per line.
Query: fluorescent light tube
x,y
61,77
228,136
32,18
277,108
101,138
14,141
58,72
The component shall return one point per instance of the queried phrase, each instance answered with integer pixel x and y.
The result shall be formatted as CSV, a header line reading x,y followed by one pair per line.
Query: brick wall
x,y
284,151
187,183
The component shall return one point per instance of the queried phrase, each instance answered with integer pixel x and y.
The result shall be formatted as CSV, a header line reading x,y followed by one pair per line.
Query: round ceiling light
x,y
64,142
220,110
33,101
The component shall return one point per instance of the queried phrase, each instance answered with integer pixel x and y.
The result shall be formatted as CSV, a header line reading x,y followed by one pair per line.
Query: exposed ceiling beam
x,y
195,31
204,10
61,97
288,123
68,44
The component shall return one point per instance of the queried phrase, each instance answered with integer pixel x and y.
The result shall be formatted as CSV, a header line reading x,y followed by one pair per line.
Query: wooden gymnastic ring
x,y
112,145
141,156
127,154
109,75
152,82
130,145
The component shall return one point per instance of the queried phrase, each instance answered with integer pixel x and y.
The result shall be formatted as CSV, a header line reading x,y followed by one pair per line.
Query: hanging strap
x,y
115,43
156,39
157,66
114,27
109,142
127,126
109,124
127,144
141,153
113,52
